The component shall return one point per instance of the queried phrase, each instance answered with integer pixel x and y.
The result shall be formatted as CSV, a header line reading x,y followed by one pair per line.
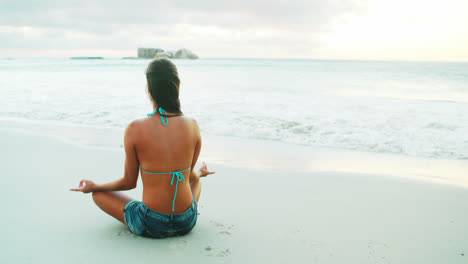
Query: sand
x,y
247,215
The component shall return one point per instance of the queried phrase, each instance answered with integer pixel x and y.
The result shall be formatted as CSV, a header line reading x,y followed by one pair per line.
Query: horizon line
x,y
235,58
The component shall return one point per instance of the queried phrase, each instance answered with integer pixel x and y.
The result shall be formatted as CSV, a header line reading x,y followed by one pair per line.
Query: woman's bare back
x,y
166,149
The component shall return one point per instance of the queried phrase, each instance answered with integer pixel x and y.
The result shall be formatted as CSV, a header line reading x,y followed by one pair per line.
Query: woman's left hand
x,y
204,171
85,186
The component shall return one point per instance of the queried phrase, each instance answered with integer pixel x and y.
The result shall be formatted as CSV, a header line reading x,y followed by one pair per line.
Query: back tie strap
x,y
180,178
163,115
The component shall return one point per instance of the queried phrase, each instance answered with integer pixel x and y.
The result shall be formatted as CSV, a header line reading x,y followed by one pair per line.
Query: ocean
x,y
417,109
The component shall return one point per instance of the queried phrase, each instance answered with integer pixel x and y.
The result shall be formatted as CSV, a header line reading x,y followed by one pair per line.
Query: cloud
x,y
209,24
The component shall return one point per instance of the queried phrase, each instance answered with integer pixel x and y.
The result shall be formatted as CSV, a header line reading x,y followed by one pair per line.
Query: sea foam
x,y
410,108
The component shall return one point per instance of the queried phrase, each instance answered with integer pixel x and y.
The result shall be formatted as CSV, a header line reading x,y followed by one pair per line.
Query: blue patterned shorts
x,y
143,221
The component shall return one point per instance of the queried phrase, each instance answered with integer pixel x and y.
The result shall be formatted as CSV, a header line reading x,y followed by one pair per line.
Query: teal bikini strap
x,y
161,111
178,174
180,177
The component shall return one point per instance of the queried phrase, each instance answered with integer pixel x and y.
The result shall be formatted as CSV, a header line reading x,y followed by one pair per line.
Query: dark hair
x,y
163,85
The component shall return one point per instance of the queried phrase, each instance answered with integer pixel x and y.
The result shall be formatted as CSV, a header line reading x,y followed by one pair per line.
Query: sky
x,y
315,29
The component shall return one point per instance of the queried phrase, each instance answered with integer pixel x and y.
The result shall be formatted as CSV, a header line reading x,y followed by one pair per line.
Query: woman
x,y
164,147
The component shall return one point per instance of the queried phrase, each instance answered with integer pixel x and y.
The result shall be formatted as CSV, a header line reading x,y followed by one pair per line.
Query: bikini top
x,y
178,174
163,115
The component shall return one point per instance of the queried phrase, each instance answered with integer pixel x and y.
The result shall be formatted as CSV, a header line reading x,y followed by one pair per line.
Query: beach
x,y
337,131
247,215
317,161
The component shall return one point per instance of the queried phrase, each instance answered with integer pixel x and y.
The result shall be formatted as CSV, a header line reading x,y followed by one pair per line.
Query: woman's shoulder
x,y
192,123
136,123
189,119
133,127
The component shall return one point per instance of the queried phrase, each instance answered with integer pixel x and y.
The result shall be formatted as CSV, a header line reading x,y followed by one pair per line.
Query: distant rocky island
x,y
152,53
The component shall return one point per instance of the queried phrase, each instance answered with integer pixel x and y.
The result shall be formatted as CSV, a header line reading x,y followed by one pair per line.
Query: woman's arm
x,y
203,171
129,180
194,176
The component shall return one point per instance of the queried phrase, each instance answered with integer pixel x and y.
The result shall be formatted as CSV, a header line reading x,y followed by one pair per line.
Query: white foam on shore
x,y
267,154
408,108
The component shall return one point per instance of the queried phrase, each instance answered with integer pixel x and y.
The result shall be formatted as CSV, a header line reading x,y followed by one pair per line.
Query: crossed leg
x,y
196,189
112,203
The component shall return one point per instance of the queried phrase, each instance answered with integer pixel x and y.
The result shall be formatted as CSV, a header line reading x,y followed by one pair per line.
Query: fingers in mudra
x,y
204,170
